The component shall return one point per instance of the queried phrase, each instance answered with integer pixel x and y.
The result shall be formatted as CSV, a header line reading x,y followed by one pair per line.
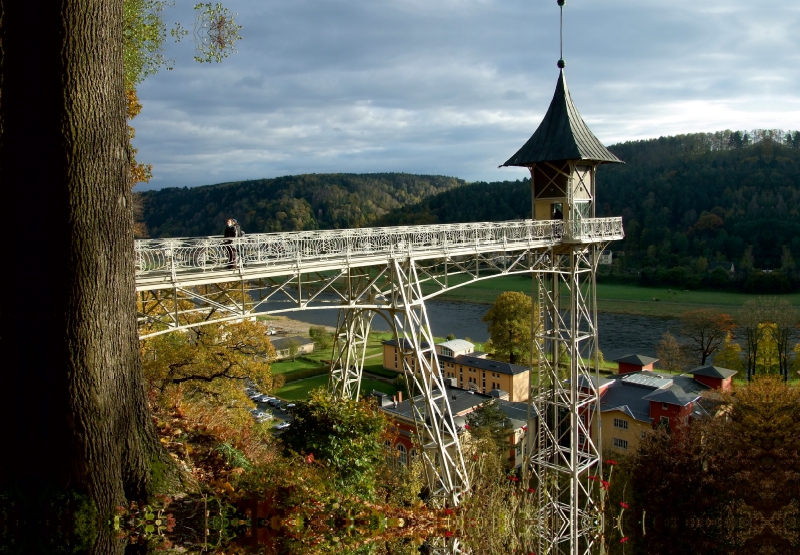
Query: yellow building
x,y
470,369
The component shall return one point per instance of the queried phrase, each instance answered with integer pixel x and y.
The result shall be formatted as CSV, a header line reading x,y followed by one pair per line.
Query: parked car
x,y
283,425
289,406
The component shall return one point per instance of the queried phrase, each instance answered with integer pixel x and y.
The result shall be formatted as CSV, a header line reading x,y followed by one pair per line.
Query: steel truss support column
x,y
436,430
349,350
566,399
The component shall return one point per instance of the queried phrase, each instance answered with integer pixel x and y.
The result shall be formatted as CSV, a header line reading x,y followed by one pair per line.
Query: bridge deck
x,y
166,263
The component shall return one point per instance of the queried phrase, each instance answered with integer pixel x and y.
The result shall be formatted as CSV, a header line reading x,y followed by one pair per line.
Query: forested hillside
x,y
707,195
291,203
689,204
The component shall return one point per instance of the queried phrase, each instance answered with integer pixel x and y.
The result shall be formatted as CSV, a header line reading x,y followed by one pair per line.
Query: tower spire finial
x,y
561,62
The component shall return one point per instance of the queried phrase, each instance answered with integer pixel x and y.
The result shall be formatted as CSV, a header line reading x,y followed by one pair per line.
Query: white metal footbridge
x,y
392,271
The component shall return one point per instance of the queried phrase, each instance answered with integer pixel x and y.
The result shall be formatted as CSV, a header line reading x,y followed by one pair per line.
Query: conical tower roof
x,y
562,135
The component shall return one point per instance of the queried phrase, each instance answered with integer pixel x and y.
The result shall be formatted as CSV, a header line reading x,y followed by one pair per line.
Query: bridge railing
x,y
591,229
268,249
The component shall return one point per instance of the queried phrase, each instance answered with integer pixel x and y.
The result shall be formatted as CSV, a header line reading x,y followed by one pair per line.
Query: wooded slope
x,y
291,203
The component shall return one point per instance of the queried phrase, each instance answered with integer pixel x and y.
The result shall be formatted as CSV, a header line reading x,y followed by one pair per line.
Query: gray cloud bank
x,y
454,87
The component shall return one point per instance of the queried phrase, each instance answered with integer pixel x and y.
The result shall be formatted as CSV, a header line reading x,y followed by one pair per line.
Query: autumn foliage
x,y
728,484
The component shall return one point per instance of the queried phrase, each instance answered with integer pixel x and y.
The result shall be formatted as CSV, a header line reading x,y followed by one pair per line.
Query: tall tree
x,y
671,354
509,324
750,319
68,322
785,319
706,329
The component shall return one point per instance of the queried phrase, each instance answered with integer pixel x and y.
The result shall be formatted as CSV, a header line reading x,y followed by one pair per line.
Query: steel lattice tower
x,y
563,156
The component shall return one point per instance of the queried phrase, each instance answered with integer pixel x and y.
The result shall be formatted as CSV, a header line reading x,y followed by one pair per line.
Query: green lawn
x,y
296,391
299,390
288,365
618,298
378,369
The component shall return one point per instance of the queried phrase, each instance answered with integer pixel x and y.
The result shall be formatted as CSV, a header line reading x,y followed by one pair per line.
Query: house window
x,y
620,443
664,421
402,460
388,451
620,423
664,406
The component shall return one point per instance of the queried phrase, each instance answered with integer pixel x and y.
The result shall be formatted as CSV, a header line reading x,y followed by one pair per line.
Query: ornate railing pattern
x,y
156,256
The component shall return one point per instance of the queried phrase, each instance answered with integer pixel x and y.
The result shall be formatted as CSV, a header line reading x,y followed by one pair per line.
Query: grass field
x,y
299,390
623,299
289,366
378,369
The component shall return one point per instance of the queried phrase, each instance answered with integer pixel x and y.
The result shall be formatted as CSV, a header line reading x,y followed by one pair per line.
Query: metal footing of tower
x,y
566,457
436,430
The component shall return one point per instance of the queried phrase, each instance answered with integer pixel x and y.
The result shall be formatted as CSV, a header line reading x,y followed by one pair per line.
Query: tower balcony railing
x,y
202,254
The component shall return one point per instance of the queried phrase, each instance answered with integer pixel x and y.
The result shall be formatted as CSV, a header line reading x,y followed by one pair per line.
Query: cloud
x,y
454,87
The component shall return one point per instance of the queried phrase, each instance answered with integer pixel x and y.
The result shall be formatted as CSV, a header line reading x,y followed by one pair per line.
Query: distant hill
x,y
690,203
291,203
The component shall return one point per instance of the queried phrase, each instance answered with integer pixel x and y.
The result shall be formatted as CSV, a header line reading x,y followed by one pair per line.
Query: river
x,y
620,334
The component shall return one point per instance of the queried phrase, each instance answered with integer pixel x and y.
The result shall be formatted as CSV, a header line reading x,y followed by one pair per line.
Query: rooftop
x,y
406,343
487,364
458,345
673,396
628,399
562,135
712,372
517,412
461,402
639,360
646,378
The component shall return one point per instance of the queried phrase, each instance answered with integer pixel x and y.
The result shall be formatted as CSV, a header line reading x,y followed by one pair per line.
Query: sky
x,y
455,87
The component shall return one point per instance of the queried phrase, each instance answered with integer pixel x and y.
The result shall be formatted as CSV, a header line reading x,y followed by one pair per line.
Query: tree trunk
x,y
73,399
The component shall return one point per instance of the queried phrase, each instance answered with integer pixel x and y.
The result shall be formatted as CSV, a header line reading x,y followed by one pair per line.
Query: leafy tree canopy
x,y
211,361
346,435
509,325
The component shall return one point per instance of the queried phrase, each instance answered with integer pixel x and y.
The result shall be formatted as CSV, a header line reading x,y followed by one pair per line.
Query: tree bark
x,y
73,398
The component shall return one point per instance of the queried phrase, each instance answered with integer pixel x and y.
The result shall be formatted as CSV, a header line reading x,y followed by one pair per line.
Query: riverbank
x,y
615,298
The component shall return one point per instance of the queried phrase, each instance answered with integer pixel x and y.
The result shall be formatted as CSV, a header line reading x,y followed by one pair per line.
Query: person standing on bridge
x,y
232,230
